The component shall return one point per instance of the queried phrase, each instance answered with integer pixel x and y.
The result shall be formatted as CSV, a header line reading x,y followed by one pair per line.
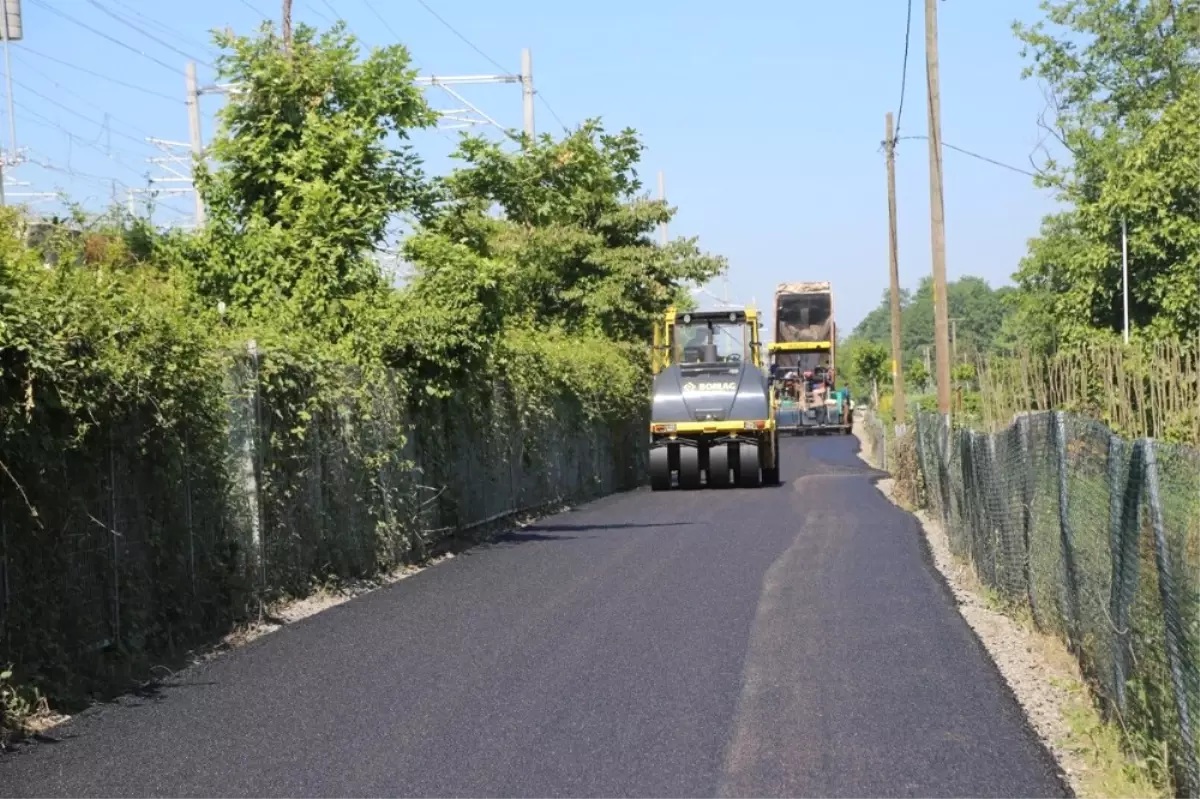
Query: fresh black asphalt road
x,y
788,641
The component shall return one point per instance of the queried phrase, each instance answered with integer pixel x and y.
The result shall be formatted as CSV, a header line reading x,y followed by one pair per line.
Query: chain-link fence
x,y
141,542
1099,537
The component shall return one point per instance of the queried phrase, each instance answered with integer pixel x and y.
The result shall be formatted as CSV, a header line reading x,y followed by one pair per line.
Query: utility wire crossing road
x,y
788,641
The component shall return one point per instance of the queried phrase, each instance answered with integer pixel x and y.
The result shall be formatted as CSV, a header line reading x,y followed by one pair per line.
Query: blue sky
x,y
766,117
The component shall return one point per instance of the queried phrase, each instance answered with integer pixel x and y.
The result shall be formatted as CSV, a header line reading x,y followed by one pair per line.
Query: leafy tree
x,y
574,230
870,361
916,375
980,310
877,325
1124,87
311,166
963,373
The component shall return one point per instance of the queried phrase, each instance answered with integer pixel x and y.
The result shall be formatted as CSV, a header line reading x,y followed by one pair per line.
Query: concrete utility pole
x,y
662,195
12,30
937,211
9,35
527,91
287,26
889,143
193,109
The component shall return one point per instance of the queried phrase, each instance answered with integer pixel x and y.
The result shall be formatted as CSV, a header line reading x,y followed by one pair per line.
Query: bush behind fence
x,y
1099,537
135,542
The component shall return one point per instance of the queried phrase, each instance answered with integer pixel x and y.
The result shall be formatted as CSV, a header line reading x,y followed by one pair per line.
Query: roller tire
x,y
719,465
689,468
770,475
660,469
748,473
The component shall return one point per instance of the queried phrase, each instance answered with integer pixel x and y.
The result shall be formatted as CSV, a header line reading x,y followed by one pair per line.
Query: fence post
x,y
945,434
1027,473
1172,623
253,471
881,431
1118,604
188,518
5,576
1066,540
997,515
116,541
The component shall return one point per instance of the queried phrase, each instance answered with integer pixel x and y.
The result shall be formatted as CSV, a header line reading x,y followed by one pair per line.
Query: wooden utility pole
x,y
287,26
937,211
889,143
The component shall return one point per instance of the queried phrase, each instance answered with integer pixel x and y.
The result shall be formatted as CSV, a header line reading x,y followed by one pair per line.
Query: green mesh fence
x,y
137,543
1100,538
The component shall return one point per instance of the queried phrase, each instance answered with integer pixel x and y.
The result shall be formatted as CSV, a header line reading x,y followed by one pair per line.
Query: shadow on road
x,y
563,528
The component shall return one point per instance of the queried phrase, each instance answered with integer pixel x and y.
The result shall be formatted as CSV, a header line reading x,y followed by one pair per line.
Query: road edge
x,y
37,727
1039,670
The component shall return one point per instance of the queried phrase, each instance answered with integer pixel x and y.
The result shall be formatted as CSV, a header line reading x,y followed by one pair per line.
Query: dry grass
x,y
1148,391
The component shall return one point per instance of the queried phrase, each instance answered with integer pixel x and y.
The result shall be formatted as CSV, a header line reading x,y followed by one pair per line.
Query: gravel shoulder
x,y
1042,674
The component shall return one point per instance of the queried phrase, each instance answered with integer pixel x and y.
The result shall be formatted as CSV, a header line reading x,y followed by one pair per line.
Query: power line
x,y
250,6
993,161
379,16
74,94
334,11
904,67
470,44
82,116
149,35
75,173
104,35
319,14
93,73
72,137
167,29
550,108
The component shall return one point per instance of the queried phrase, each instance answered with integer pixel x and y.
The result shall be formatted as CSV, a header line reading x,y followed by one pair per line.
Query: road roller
x,y
712,421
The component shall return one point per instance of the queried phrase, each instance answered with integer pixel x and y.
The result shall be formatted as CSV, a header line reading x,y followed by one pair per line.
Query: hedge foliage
x,y
534,278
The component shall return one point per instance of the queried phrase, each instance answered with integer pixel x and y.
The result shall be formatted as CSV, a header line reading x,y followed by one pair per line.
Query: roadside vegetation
x,y
523,320
1122,127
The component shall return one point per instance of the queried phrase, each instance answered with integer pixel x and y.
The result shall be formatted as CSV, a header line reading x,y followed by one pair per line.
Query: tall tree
x,y
979,309
574,230
1123,82
311,164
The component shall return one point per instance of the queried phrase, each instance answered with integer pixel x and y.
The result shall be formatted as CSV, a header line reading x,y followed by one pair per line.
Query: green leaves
x,y
870,363
575,230
979,309
1125,91
310,167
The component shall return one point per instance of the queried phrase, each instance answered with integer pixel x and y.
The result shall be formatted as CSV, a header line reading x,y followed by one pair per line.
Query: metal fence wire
x,y
142,542
1099,537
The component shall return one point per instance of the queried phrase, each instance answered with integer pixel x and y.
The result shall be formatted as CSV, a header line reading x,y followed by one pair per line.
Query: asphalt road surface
x,y
788,641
